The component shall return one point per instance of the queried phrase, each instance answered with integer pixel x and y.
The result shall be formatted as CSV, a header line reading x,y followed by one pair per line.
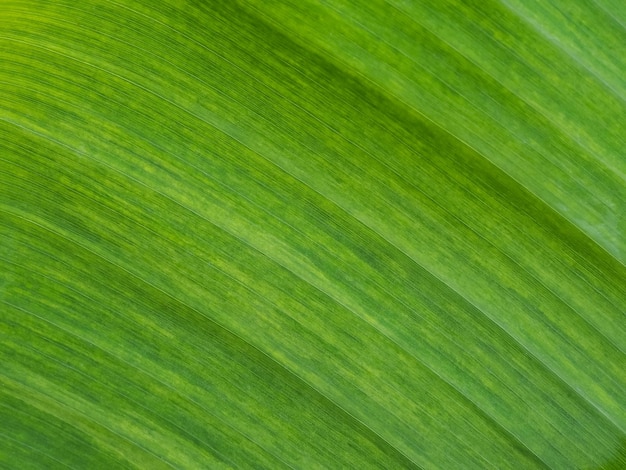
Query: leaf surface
x,y
312,234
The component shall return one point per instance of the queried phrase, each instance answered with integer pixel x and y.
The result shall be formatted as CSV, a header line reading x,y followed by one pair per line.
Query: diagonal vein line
x,y
439,126
558,297
609,14
305,280
507,432
140,302
135,402
287,313
33,449
192,254
322,248
244,242
443,208
439,38
449,212
376,86
187,111
555,126
219,325
87,417
58,429
389,242
158,235
559,45
138,369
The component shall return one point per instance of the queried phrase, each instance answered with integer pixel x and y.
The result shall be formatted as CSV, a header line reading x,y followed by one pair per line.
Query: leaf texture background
x,y
312,234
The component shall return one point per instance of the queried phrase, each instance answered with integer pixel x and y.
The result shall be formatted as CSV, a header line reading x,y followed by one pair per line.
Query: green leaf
x,y
313,234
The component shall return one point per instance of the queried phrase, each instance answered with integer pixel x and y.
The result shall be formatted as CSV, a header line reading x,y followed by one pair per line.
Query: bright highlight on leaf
x,y
313,234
